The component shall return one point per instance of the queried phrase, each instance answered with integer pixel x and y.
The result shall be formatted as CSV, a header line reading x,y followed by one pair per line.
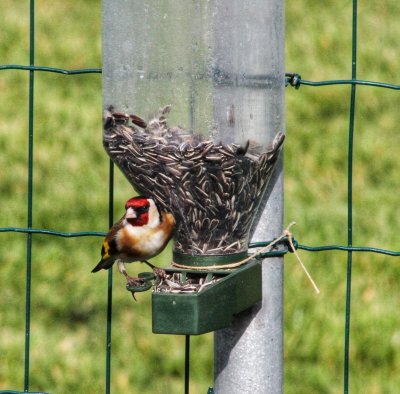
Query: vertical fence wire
x,y
109,283
350,198
30,195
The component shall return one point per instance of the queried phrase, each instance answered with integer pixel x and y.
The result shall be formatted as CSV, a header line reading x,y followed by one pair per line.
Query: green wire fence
x,y
292,79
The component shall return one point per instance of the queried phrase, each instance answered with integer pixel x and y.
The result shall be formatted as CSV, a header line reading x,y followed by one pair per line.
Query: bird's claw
x,y
132,281
143,283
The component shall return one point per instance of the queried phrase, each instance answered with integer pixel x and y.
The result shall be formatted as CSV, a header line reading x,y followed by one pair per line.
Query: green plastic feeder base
x,y
210,309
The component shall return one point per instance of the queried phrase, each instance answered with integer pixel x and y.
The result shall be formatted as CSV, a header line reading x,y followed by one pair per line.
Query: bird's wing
x,y
109,251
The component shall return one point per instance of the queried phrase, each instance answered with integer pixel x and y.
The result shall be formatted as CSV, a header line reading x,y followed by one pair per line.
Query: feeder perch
x,y
185,112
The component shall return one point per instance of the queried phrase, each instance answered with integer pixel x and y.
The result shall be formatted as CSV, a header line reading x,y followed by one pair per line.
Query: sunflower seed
x,y
211,188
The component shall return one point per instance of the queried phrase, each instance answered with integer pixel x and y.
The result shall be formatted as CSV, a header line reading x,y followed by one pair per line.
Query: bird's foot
x,y
133,281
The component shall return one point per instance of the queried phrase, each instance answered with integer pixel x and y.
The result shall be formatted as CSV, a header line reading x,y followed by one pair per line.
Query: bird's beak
x,y
130,214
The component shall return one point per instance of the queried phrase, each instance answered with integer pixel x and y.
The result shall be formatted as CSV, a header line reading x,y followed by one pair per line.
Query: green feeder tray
x,y
213,307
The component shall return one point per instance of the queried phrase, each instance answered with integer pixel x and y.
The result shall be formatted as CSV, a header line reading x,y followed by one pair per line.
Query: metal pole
x,y
249,355
202,57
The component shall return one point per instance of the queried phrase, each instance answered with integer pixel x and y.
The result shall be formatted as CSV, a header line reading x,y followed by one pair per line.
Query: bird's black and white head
x,y
142,211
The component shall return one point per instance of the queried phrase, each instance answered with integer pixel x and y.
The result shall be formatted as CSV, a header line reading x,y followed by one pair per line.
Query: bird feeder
x,y
189,121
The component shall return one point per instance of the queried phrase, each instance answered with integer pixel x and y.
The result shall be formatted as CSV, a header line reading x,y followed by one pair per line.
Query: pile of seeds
x,y
213,189
174,283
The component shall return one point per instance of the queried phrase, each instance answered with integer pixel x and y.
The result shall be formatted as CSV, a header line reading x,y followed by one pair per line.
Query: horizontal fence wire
x,y
294,79
51,69
21,392
308,248
322,248
52,232
348,249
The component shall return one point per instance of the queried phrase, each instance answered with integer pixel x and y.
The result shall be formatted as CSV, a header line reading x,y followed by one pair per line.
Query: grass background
x,y
71,194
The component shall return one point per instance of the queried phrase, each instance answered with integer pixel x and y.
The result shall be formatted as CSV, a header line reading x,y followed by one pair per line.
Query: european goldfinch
x,y
142,233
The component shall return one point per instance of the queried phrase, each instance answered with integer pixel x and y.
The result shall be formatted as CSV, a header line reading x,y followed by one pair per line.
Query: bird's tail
x,y
103,264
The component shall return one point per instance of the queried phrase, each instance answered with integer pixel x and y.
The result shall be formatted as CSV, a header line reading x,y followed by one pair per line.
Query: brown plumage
x,y
142,233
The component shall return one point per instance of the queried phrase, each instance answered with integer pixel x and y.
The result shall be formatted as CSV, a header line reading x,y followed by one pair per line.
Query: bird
x,y
142,233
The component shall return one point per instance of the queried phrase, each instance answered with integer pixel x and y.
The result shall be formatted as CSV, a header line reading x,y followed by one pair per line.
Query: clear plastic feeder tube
x,y
192,97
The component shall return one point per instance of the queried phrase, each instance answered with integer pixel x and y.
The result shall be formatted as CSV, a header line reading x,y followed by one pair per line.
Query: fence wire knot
x,y
293,79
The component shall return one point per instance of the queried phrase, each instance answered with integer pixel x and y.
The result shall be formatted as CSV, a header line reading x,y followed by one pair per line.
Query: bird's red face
x,y
137,211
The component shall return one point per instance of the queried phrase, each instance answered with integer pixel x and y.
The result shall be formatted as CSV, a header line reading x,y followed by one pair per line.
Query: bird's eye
x,y
142,210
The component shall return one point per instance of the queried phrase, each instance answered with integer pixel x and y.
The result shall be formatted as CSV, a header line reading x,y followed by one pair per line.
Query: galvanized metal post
x,y
249,355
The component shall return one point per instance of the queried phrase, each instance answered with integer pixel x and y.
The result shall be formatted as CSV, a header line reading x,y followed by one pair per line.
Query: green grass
x,y
71,194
